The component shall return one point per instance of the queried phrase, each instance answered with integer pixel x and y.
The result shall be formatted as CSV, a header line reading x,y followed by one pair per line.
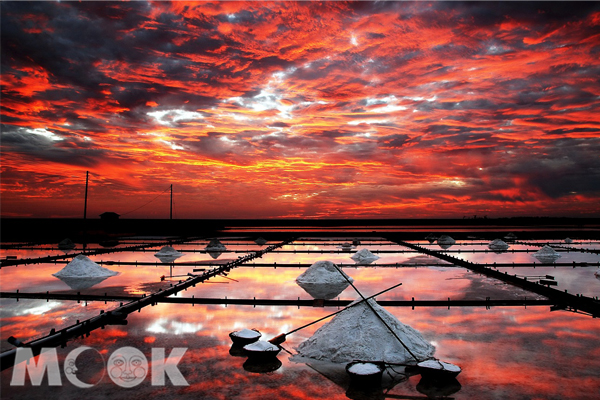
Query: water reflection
x,y
82,283
505,352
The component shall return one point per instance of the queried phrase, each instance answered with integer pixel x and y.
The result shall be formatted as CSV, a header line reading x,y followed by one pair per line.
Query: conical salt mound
x,y
498,245
546,254
168,251
364,256
83,267
358,334
260,241
66,244
445,241
323,280
215,244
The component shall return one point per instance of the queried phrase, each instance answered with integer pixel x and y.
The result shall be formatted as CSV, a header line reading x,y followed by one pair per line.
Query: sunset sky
x,y
285,109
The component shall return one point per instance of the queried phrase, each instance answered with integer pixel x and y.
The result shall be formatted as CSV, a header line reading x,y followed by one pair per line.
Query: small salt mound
x,y
445,241
66,244
168,251
322,280
364,369
498,244
568,240
261,346
83,267
546,254
358,334
260,241
510,237
364,256
215,244
323,272
247,334
431,238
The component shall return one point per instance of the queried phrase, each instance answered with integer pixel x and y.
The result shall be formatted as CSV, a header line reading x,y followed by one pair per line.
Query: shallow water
x,y
504,352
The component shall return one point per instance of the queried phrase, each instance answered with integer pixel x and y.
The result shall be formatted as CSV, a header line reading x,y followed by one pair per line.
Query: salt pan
x,y
358,334
83,267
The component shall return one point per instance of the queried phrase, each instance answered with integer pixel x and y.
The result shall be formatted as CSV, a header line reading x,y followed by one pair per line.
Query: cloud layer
x,y
283,109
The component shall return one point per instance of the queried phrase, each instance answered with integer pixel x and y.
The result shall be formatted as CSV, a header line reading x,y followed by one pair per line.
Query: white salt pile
x,y
358,334
510,237
215,244
323,280
445,241
261,346
83,267
431,238
498,245
260,241
546,254
364,256
247,334
168,251
66,244
364,369
568,240
168,254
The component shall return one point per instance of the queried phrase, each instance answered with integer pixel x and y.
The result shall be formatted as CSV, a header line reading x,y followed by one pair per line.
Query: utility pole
x,y
87,174
171,210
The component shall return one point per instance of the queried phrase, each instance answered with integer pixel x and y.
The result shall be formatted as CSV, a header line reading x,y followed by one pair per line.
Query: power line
x,y
144,205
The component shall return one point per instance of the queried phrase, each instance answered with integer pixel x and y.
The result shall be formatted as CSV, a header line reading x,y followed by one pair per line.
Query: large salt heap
x,y
546,254
358,334
83,273
364,256
323,280
83,267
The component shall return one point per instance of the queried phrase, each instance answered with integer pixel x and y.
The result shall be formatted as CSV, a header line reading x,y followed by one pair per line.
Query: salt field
x,y
512,325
